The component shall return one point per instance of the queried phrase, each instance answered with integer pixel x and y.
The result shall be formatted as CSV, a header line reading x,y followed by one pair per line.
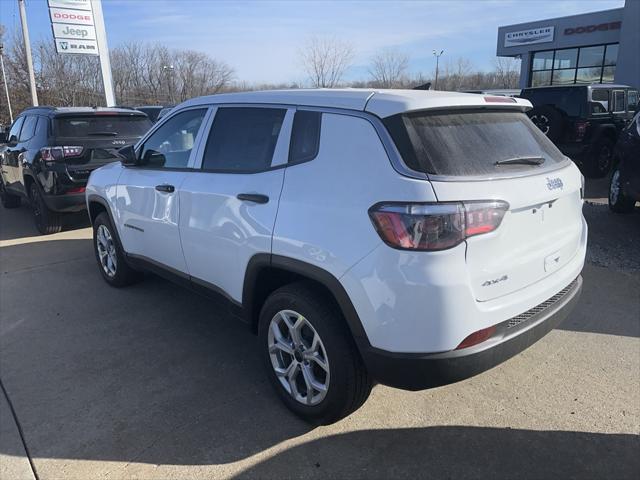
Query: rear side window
x,y
29,128
305,136
243,139
102,126
633,99
569,99
470,143
618,101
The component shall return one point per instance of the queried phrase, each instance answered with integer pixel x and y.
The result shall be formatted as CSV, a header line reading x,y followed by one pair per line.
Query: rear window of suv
x,y
470,143
102,126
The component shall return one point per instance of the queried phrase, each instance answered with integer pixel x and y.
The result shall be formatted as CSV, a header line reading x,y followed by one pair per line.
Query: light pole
x,y
4,79
27,47
437,55
169,70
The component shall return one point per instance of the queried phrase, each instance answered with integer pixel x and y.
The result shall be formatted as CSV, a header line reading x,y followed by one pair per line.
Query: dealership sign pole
x,y
78,29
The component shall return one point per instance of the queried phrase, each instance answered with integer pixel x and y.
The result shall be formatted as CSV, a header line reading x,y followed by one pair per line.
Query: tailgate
x,y
539,234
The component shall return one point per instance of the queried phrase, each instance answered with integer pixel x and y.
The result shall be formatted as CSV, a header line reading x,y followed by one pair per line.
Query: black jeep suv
x,y
584,121
624,188
50,152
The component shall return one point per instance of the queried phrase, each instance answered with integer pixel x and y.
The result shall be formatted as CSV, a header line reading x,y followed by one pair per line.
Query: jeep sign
x,y
77,32
527,37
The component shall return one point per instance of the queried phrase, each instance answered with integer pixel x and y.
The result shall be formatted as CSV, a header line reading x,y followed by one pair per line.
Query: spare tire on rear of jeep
x,y
549,120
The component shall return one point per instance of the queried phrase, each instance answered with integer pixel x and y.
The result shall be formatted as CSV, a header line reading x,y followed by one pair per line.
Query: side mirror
x,y
128,156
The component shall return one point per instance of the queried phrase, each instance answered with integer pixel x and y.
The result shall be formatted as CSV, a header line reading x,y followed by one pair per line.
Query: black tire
x,y
600,159
8,200
123,274
619,202
47,221
549,120
349,385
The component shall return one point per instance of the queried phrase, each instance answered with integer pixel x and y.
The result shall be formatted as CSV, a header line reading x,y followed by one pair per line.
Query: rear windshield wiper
x,y
106,134
521,161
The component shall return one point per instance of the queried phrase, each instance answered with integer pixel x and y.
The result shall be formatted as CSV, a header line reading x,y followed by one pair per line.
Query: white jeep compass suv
x,y
410,238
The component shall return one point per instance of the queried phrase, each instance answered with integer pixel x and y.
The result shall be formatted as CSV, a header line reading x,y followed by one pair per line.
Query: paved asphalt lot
x,y
154,381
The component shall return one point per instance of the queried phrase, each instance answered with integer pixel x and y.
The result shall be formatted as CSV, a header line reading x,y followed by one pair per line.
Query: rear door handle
x,y
165,188
253,197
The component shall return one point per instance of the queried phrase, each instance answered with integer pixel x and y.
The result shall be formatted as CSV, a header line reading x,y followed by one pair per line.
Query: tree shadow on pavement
x,y
457,452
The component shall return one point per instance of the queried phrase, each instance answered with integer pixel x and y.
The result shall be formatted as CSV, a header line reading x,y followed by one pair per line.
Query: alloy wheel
x,y
106,250
298,357
614,189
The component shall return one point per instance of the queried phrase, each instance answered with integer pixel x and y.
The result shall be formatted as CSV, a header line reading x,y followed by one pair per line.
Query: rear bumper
x,y
74,202
414,371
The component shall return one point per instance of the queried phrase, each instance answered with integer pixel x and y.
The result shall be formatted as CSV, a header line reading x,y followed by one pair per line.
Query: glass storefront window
x,y
563,77
589,75
611,56
607,74
566,58
591,57
574,65
540,79
543,60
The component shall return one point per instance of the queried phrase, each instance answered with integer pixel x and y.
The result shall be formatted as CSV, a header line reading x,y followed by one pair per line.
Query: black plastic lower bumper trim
x,y
421,371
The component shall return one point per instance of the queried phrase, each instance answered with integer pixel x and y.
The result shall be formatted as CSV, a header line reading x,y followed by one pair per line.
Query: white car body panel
x,y
334,192
407,302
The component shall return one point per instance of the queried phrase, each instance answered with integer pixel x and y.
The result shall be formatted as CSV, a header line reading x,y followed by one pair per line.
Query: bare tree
x,y
507,71
325,60
388,68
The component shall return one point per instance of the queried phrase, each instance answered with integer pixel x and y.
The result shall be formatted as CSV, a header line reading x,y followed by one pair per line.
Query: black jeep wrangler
x,y
584,121
50,152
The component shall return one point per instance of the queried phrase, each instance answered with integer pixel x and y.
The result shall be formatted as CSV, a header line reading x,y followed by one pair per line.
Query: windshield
x,y
471,143
102,126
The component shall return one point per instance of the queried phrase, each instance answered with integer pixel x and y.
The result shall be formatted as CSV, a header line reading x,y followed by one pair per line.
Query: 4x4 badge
x,y
554,183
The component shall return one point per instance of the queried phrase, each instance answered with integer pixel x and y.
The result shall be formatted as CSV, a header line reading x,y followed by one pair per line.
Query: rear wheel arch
x,y
266,273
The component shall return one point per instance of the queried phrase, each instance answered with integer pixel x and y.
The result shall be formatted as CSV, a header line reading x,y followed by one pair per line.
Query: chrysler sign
x,y
528,37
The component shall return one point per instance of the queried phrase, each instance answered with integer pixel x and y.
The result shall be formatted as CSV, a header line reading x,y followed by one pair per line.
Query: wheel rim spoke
x,y
298,357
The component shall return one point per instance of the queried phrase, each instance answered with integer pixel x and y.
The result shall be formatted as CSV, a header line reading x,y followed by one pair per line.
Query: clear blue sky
x,y
260,39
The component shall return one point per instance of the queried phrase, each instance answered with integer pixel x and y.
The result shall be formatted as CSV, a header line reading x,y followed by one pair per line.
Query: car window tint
x,y
618,101
243,139
170,146
29,128
633,99
15,129
305,136
43,127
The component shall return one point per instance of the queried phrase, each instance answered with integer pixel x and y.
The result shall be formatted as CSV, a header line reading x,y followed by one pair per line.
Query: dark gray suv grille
x,y
523,317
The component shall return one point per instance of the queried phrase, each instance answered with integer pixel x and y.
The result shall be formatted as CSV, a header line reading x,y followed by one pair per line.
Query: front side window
x,y
170,145
600,100
14,133
242,140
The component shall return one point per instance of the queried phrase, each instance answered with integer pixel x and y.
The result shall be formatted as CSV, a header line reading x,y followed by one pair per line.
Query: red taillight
x,y
581,130
435,226
477,337
76,190
53,154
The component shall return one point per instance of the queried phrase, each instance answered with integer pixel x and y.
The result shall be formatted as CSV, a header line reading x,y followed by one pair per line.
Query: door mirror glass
x,y
128,155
